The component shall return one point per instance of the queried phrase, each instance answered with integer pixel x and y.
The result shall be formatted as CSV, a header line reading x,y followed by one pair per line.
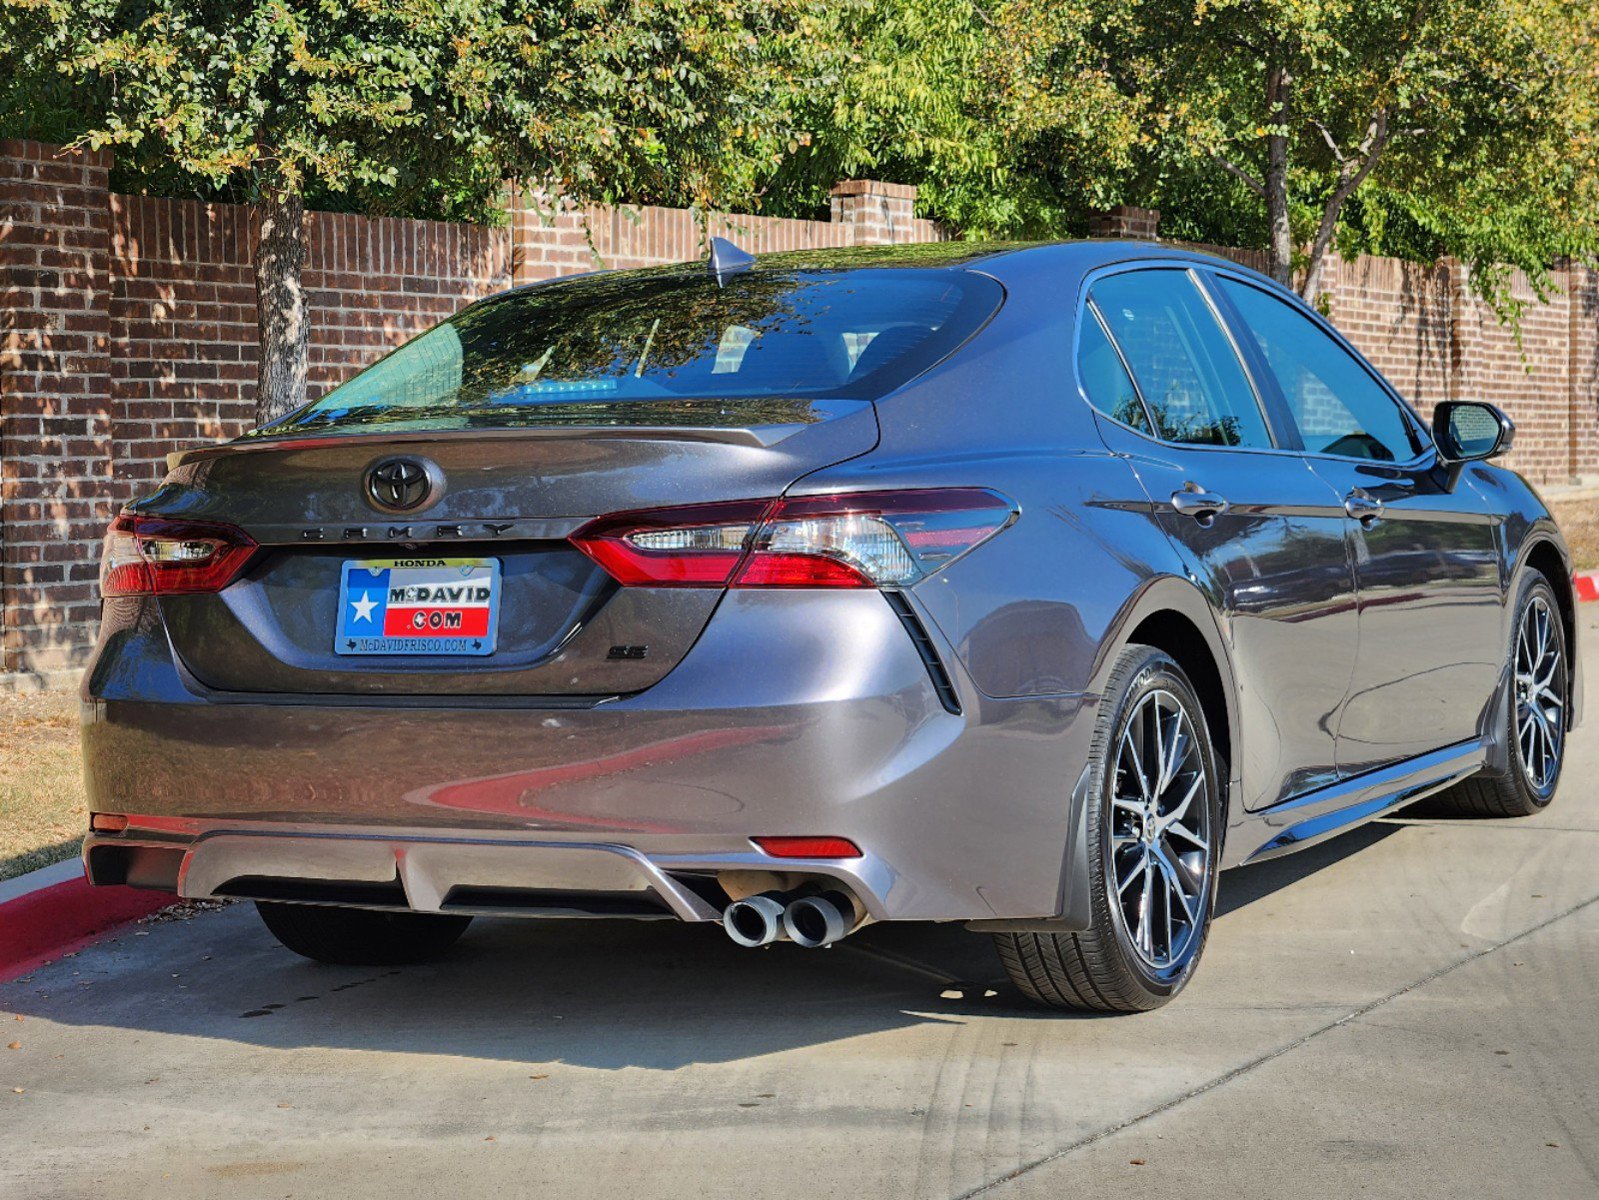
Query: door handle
x,y
1363,507
1194,501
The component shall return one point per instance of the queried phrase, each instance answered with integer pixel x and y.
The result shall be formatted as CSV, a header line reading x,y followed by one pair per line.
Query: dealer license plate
x,y
418,606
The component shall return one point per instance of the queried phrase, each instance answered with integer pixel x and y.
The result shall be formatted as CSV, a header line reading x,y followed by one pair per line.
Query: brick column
x,y
1463,340
876,213
1125,222
1582,297
55,407
547,236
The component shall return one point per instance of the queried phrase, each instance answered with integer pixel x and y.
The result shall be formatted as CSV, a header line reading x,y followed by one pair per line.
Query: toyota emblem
x,y
403,484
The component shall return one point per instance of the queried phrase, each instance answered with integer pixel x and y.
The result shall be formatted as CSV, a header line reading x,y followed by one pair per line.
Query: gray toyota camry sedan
x,y
1023,587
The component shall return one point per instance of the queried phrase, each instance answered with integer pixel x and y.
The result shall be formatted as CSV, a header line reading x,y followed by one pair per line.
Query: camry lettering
x,y
409,533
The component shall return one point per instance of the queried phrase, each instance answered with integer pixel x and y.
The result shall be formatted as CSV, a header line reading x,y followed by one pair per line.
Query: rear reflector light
x,y
107,822
808,847
154,556
856,540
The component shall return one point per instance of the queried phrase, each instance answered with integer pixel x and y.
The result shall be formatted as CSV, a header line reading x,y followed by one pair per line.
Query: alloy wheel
x,y
1160,836
1540,695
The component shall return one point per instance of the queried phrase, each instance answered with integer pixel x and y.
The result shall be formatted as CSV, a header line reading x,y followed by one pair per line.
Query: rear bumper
x,y
800,714
482,875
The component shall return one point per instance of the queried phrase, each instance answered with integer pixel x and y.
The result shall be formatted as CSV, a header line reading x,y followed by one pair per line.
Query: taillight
x,y
855,540
870,539
679,547
147,556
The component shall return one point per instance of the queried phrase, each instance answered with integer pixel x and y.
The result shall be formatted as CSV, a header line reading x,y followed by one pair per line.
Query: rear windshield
x,y
636,348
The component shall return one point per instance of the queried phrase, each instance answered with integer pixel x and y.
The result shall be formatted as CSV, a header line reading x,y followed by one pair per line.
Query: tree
x,y
993,109
1450,114
677,100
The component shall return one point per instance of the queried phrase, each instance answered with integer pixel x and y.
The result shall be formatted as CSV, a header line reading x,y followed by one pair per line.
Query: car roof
x,y
998,258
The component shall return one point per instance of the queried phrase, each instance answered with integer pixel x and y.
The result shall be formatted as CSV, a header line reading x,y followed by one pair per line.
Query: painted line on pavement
x,y
54,911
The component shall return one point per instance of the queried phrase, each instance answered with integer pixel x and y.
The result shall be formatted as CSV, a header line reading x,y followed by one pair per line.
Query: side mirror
x,y
1466,431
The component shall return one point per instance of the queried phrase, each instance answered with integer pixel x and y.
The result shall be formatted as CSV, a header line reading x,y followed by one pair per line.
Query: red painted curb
x,y
43,925
1587,585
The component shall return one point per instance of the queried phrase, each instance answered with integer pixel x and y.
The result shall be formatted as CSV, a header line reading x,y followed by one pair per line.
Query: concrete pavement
x,y
1408,1011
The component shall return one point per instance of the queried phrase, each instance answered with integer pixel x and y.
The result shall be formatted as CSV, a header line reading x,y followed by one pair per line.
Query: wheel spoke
x,y
1135,874
1174,884
1181,810
1130,742
1166,911
1160,748
1177,751
1188,835
1146,919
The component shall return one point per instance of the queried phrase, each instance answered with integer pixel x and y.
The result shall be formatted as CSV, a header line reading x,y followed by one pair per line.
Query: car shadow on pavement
x,y
597,994
1243,886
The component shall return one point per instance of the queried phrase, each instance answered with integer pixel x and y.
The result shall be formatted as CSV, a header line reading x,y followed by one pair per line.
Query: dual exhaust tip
x,y
811,921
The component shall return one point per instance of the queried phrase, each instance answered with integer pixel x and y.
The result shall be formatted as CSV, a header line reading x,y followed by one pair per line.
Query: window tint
x,y
1105,381
1181,357
1339,408
607,348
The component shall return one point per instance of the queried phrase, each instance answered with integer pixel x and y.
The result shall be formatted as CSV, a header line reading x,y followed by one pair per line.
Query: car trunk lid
x,y
509,497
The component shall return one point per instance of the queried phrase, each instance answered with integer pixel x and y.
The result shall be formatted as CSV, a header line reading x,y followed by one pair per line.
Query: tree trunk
x,y
1278,86
284,351
1352,173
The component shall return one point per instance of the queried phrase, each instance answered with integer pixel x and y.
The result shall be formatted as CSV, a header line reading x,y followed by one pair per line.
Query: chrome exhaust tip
x,y
813,921
755,920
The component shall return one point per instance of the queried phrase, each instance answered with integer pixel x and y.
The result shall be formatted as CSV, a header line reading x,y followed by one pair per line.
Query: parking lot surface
x,y
1411,1010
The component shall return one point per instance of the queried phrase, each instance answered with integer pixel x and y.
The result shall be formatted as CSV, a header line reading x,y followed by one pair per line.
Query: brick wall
x,y
129,328
1421,326
56,413
1125,221
183,320
550,239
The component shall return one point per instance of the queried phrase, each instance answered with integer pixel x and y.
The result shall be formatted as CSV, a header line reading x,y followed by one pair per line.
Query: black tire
x,y
360,936
1513,792
1102,969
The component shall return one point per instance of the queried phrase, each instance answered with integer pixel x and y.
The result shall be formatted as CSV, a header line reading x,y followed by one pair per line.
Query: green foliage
x,y
992,110
422,105
1458,127
1410,127
37,99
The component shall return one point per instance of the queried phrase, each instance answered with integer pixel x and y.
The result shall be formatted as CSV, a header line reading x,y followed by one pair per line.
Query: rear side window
x,y
1182,359
1339,408
1104,377
595,349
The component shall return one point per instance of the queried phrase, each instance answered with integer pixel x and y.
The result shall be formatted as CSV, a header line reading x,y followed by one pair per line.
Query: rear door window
x,y
1339,407
1182,358
596,349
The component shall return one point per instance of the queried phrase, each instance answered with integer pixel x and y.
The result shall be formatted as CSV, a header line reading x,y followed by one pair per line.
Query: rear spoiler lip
x,y
747,435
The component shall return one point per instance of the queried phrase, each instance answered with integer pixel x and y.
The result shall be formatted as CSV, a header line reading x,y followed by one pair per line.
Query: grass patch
x,y
1579,522
43,812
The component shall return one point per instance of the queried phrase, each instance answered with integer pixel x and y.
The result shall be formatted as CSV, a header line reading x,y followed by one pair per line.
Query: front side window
x,y
627,348
1182,358
1339,408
